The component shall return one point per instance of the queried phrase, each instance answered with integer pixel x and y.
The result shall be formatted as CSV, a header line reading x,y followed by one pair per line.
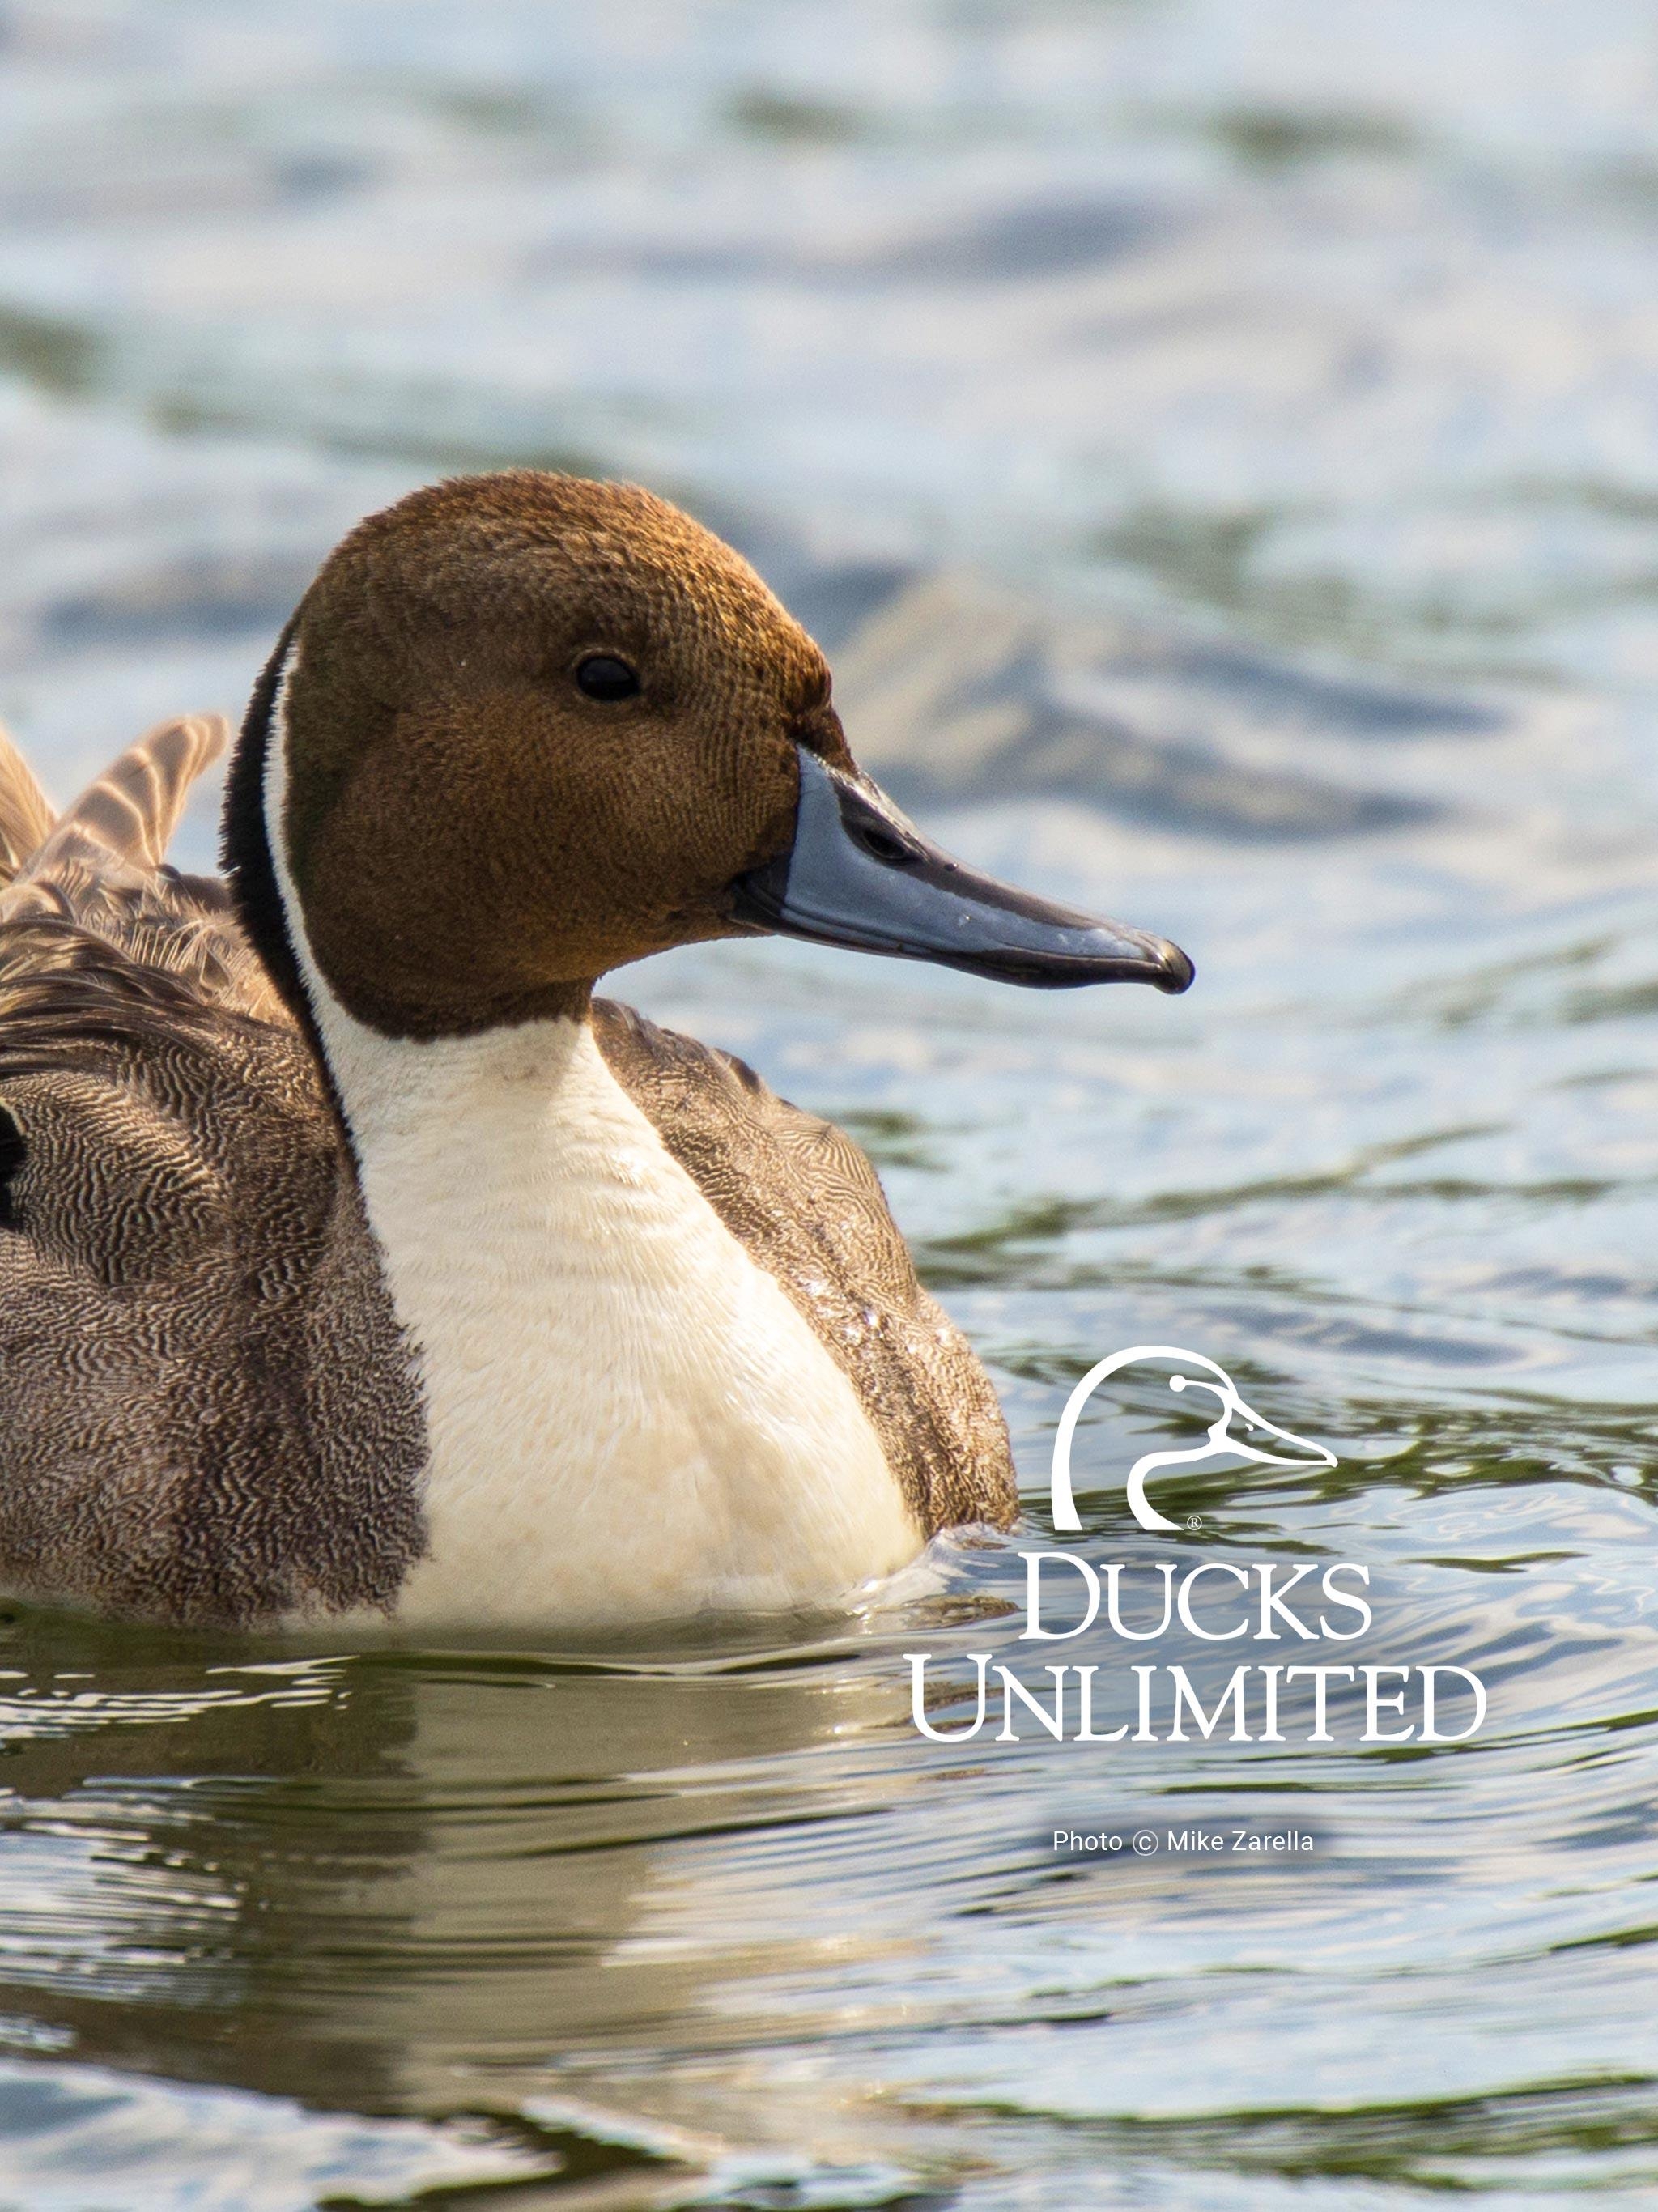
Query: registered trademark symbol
x,y
1194,1524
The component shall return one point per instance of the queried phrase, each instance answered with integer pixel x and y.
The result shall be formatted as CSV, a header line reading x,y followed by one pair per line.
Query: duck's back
x,y
207,1411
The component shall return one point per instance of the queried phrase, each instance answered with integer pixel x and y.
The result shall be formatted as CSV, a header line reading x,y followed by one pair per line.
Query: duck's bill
x,y
859,875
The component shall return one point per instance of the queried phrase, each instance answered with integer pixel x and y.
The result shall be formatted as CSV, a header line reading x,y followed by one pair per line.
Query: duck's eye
x,y
602,676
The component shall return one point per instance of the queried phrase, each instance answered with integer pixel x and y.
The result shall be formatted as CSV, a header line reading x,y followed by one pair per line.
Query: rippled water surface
x,y
1220,447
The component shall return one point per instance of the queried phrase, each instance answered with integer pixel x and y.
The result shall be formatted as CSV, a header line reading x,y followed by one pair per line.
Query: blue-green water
x,y
1220,446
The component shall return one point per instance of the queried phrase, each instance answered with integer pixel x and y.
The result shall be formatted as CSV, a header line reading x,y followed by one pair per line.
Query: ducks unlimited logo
x,y
1271,1698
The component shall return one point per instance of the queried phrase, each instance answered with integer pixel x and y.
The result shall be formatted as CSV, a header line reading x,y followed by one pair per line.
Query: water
x,y
1221,448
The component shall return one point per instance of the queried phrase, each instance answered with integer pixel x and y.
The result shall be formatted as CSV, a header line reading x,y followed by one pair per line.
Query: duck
x,y
359,1263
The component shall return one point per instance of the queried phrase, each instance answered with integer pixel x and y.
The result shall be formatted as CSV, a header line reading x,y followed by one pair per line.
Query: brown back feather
x,y
26,814
101,869
128,816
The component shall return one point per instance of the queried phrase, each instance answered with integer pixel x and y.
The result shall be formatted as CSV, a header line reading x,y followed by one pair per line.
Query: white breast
x,y
627,1421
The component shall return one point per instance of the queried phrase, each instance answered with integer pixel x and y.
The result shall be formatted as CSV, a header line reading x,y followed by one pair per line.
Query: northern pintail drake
x,y
354,1259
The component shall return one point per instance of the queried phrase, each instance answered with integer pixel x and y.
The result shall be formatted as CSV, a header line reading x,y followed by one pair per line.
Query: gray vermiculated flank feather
x,y
207,1413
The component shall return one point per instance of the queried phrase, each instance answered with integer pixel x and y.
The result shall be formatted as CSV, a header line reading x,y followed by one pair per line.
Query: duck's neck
x,y
626,1416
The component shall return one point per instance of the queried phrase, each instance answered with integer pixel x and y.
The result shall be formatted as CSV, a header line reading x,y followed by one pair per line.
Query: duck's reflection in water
x,y
405,1882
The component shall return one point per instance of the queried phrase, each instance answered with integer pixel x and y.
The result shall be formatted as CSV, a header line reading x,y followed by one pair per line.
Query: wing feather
x,y
26,815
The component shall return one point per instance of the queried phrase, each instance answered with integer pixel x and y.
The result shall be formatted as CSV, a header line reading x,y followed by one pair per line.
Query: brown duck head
x,y
535,727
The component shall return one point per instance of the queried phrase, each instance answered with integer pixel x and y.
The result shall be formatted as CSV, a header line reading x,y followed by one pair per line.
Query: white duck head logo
x,y
1256,1446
